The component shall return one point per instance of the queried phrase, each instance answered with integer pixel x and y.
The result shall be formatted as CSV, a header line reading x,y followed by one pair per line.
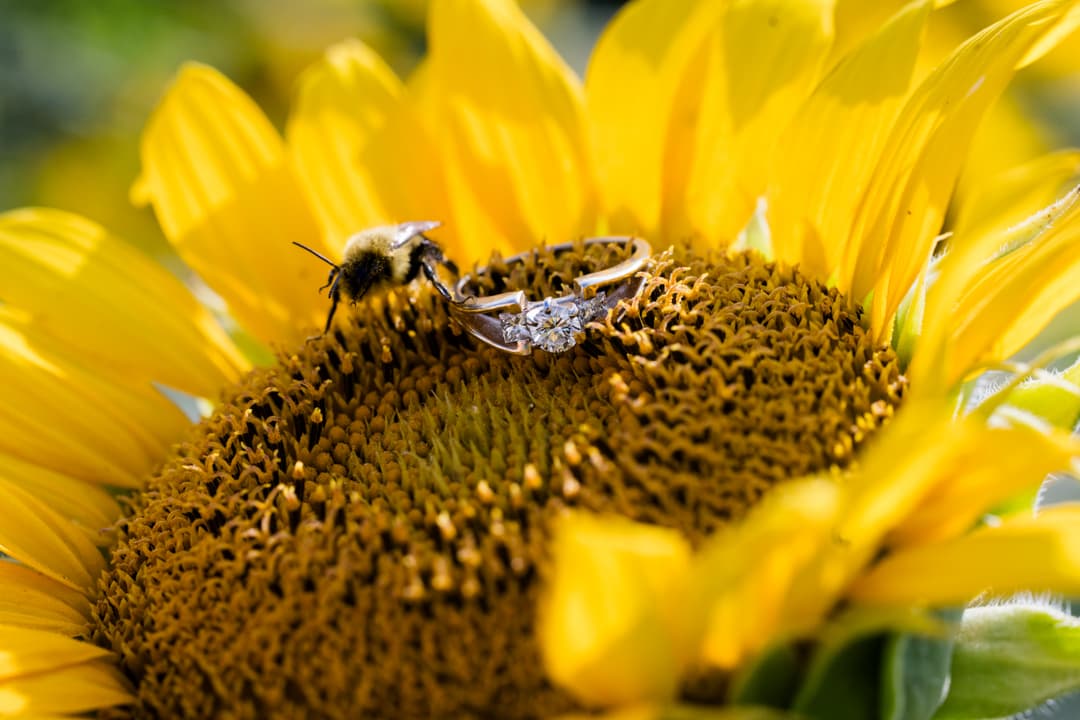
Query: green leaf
x,y
916,673
771,680
844,679
1055,397
701,712
1010,658
843,685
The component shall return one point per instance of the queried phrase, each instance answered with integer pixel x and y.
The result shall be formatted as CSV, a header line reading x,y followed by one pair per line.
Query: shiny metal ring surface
x,y
510,321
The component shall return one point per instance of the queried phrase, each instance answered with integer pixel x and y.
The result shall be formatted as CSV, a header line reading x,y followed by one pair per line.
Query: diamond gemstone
x,y
549,324
592,309
554,326
514,328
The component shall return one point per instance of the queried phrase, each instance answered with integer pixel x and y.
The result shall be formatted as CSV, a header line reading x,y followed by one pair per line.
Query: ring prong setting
x,y
552,324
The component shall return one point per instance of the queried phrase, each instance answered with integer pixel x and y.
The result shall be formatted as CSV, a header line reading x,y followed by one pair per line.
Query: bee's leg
x,y
433,275
435,253
335,296
331,278
431,255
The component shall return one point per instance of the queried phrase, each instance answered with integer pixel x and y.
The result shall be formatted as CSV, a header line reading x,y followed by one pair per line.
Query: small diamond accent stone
x,y
593,309
514,328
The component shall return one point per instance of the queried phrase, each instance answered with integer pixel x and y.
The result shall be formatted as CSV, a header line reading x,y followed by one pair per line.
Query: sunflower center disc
x,y
360,530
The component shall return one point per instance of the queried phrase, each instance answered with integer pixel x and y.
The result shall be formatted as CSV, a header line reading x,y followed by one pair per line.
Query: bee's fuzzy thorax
x,y
379,240
380,257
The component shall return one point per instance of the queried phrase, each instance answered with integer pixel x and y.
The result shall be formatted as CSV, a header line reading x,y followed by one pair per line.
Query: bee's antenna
x,y
319,255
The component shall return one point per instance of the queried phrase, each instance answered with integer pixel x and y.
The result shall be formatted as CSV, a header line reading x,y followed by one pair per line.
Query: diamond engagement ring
x,y
512,322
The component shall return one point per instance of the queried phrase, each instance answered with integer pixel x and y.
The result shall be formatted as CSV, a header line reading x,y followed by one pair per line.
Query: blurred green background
x,y
78,79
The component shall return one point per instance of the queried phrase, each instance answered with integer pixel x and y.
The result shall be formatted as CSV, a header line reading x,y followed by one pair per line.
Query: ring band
x,y
553,324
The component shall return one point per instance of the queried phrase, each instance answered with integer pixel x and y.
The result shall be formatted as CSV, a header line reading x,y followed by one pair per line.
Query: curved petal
x,y
29,652
87,506
980,312
1025,554
35,534
1031,288
998,464
827,156
356,165
907,196
629,85
225,194
745,578
29,599
735,99
1010,197
114,307
509,120
609,621
895,474
76,421
74,689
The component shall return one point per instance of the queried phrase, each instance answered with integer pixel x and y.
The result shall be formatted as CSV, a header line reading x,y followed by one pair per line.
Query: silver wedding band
x,y
511,322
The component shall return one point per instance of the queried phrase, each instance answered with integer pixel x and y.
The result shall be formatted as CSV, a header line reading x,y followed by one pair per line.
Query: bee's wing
x,y
406,231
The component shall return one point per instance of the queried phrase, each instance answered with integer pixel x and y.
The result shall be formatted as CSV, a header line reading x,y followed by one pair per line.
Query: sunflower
x,y
755,477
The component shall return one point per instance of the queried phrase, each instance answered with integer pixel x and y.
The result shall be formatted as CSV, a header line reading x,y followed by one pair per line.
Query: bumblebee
x,y
381,257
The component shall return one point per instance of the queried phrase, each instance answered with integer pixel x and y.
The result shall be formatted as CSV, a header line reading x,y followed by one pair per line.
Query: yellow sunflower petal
x,y
1010,197
856,20
1000,463
31,600
910,190
684,712
79,422
1026,554
609,620
1006,139
219,178
343,107
827,156
911,488
364,160
744,578
87,506
36,535
28,652
1007,302
637,712
12,574
895,474
114,307
629,84
75,689
1062,29
511,122
751,77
